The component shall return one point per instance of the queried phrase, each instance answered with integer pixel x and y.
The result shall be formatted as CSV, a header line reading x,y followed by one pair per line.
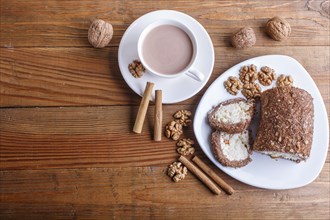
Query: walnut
x,y
185,146
233,85
278,28
183,116
248,74
100,33
251,90
173,130
283,80
136,69
244,38
177,171
266,75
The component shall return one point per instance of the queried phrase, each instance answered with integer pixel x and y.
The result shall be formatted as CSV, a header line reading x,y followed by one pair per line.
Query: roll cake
x,y
286,123
232,116
232,150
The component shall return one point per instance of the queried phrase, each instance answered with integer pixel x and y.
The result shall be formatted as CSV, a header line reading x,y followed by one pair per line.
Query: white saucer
x,y
174,89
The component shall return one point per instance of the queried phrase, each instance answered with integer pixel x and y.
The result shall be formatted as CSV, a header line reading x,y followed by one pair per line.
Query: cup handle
x,y
195,74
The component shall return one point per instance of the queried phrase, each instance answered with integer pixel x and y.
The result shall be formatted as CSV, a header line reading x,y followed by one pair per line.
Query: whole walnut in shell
x,y
244,38
100,33
278,28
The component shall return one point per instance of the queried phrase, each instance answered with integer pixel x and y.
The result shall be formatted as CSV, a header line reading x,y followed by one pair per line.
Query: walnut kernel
x,y
233,85
100,33
136,69
244,38
173,130
177,171
278,28
251,90
248,74
183,116
266,76
283,80
185,146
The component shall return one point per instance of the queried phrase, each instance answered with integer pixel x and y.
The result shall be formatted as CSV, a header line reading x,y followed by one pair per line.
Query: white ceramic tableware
x,y
175,89
263,171
190,69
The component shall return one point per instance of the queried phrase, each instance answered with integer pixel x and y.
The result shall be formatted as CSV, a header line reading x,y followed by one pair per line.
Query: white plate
x,y
174,89
263,171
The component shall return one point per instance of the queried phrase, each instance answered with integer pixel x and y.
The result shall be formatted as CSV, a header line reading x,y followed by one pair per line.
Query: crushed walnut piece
x,y
251,90
136,69
185,146
266,75
183,116
233,85
248,74
173,130
283,80
177,171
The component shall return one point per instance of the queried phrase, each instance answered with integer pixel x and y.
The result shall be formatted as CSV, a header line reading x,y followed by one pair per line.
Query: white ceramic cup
x,y
189,70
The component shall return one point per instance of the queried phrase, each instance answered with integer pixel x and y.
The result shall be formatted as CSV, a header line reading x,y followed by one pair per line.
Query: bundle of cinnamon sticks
x,y
196,170
211,184
158,116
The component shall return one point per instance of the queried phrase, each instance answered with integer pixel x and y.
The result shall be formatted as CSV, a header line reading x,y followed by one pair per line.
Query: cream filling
x,y
288,156
234,146
233,113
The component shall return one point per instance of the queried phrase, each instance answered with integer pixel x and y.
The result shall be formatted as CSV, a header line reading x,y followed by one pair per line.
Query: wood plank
x,y
86,76
80,137
138,192
67,149
35,138
60,76
65,23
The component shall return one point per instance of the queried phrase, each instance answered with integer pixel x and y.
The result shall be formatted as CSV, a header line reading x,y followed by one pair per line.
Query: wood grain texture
x,y
67,150
87,76
65,23
147,193
82,137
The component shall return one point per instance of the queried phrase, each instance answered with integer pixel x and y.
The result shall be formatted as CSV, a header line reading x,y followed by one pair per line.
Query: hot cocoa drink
x,y
167,49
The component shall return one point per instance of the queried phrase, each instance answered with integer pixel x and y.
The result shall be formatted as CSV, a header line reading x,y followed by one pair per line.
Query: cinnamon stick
x,y
158,116
200,175
143,108
227,188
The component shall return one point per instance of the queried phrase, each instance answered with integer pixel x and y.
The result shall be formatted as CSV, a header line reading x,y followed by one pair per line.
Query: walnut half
x,y
177,171
248,74
136,69
283,80
233,85
173,130
251,90
185,146
183,116
266,75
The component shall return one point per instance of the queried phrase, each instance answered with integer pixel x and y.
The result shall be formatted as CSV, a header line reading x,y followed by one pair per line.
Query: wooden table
x,y
67,146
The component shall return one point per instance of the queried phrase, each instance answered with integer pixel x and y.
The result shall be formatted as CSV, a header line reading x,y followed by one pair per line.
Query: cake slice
x,y
232,116
286,123
232,150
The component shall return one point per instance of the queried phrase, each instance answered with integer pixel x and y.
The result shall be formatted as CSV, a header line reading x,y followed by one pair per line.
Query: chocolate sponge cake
x,y
232,150
232,116
286,123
